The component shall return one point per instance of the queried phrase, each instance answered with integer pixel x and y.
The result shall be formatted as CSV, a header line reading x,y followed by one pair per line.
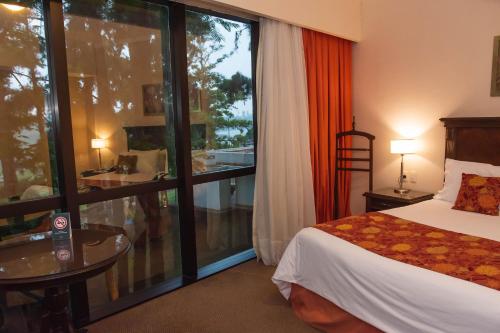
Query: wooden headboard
x,y
146,137
475,139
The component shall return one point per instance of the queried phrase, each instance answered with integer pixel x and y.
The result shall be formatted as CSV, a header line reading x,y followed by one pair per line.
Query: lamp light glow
x,y
98,143
13,8
404,146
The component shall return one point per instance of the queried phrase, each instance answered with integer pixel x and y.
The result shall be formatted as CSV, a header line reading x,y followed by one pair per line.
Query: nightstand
x,y
386,198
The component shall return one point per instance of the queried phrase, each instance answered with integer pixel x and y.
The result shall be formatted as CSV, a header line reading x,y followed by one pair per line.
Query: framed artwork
x,y
495,73
153,100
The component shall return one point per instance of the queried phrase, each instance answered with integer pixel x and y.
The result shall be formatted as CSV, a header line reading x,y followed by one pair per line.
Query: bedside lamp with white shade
x,y
98,144
403,147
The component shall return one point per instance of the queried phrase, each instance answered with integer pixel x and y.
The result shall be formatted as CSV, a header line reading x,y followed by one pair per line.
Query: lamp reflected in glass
x,y
403,147
13,8
98,144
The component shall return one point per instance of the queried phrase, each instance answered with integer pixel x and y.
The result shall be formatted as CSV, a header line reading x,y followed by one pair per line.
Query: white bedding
x,y
390,295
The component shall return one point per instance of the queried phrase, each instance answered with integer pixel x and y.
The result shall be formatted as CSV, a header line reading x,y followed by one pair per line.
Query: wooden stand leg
x,y
112,284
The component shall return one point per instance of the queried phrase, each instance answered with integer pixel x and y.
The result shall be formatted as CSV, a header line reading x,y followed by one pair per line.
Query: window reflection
x,y
223,217
120,89
220,93
151,223
27,157
20,311
15,226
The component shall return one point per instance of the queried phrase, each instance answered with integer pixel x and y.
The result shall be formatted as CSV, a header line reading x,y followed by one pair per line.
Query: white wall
x,y
420,60
335,17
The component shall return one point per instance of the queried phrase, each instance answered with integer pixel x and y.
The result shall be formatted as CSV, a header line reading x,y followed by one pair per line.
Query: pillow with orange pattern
x,y
478,194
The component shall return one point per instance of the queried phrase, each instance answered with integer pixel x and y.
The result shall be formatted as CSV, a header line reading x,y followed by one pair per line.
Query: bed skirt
x,y
324,315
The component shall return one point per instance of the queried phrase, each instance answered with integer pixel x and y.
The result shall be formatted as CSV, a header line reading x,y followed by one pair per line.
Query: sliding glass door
x,y
120,81
26,132
135,117
28,168
219,68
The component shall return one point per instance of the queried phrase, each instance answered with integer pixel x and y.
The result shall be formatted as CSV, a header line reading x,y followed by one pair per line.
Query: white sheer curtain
x,y
284,198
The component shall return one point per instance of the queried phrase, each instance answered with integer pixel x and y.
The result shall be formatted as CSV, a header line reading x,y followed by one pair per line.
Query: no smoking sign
x,y
61,226
60,223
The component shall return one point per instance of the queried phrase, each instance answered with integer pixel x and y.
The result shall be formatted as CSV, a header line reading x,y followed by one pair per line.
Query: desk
x,y
113,179
148,201
37,262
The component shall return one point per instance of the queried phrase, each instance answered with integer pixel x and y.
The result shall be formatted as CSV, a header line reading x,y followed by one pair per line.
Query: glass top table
x,y
36,260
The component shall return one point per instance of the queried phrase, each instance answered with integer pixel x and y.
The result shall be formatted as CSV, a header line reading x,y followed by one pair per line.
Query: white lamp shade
x,y
404,146
98,143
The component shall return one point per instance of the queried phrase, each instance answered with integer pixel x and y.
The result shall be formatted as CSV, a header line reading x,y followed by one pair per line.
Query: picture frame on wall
x,y
495,73
153,99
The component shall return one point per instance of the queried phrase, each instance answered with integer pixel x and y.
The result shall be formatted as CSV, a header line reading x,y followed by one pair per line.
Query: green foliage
x,y
211,92
24,89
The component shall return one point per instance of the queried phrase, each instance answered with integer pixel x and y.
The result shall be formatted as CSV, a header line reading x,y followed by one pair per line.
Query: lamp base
x,y
401,190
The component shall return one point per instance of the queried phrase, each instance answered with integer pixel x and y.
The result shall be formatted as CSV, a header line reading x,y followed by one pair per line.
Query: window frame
x,y
69,200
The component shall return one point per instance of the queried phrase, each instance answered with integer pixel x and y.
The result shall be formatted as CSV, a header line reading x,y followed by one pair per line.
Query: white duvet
x,y
390,295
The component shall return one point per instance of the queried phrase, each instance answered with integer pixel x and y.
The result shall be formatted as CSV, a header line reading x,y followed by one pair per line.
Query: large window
x,y
120,88
28,169
223,212
219,57
27,157
151,223
135,117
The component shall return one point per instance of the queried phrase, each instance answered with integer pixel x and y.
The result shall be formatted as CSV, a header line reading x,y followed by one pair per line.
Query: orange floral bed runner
x,y
462,256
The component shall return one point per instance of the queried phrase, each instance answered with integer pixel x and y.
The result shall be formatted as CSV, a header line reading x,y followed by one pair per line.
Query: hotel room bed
x,y
388,294
338,286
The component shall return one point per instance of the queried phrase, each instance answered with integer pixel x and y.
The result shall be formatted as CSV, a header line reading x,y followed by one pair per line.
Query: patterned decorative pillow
x,y
479,194
127,164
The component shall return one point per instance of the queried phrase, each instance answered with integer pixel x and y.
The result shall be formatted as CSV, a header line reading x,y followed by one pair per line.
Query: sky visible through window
x,y
241,61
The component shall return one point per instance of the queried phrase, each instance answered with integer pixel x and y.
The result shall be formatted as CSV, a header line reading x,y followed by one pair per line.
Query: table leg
x,y
3,303
151,207
112,284
55,311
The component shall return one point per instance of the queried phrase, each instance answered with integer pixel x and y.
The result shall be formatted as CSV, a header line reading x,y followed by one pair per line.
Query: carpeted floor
x,y
239,300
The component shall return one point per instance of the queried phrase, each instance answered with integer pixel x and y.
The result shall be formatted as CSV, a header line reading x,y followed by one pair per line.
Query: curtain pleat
x,y
284,198
328,68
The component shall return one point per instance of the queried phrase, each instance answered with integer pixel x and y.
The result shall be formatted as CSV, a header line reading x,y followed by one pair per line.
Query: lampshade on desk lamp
x,y
98,144
403,147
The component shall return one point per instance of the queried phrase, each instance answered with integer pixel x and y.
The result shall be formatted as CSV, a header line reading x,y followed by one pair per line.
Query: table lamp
x,y
402,147
98,144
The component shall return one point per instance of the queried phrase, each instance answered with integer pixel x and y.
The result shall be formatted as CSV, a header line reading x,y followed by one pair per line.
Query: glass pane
x,y
151,223
16,226
223,217
20,311
27,158
120,89
220,93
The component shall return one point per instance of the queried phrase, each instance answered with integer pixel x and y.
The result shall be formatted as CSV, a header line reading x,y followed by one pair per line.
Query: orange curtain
x,y
328,67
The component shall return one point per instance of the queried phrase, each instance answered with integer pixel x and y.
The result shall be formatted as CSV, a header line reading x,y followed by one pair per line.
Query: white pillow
x,y
36,191
453,170
147,160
